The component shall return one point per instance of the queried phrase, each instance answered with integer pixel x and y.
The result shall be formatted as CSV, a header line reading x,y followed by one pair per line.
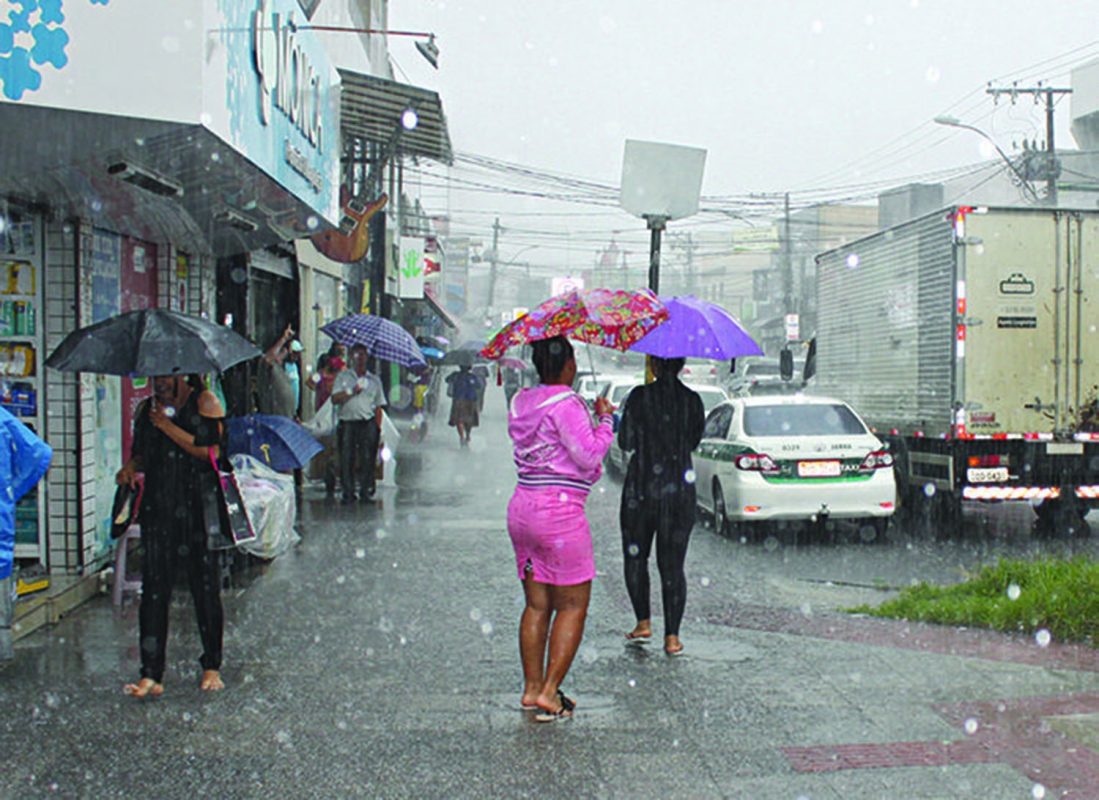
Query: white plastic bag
x,y
324,421
391,437
269,498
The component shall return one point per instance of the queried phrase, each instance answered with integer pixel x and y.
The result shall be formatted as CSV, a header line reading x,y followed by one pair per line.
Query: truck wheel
x,y
1059,518
872,530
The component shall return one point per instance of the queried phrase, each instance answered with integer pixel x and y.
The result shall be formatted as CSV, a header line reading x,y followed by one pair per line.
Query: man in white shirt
x,y
359,397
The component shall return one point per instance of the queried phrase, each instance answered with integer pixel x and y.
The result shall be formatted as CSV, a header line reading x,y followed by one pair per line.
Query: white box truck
x,y
969,340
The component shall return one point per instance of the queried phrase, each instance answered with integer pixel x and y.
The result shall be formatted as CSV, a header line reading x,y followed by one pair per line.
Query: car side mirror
x,y
786,364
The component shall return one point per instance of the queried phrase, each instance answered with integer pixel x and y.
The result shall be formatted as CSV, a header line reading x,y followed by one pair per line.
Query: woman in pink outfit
x,y
558,453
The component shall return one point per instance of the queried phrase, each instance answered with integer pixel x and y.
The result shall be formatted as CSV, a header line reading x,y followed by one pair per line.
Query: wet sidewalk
x,y
380,660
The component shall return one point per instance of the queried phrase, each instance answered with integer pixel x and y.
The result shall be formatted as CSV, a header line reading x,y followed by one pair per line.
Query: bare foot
x,y
211,681
146,687
672,645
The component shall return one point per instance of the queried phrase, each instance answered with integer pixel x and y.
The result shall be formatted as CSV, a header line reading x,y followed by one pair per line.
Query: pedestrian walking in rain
x,y
661,424
558,453
464,388
176,432
24,459
513,379
359,395
329,366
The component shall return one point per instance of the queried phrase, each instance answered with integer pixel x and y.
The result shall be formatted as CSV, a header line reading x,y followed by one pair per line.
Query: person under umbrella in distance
x,y
329,366
558,455
359,395
174,432
464,388
662,423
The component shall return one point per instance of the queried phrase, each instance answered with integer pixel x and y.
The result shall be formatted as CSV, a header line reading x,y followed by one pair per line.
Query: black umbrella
x,y
467,354
152,342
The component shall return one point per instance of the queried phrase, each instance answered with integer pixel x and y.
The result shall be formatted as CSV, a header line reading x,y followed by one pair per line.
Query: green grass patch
x,y
1013,595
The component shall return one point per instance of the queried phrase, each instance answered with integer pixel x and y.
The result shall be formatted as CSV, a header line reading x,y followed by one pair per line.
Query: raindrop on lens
x,y
929,489
1043,638
689,476
360,552
486,628
770,544
475,614
852,260
705,581
971,726
633,549
631,683
380,533
312,222
341,580
1013,591
238,275
169,412
1038,791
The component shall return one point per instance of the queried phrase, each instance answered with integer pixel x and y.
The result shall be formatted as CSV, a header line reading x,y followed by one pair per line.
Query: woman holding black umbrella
x,y
176,433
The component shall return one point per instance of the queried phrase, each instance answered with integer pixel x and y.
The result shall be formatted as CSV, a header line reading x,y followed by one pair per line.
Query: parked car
x,y
589,386
792,458
616,460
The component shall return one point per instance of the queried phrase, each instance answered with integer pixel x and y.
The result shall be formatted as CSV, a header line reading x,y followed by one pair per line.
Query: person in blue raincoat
x,y
24,459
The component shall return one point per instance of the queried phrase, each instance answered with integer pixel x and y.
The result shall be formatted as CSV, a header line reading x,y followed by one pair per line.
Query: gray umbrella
x,y
152,342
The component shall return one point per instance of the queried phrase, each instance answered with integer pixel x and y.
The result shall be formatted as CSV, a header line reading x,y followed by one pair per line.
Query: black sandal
x,y
568,705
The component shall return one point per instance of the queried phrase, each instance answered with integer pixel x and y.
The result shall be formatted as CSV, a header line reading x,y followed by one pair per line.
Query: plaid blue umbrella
x,y
278,442
384,339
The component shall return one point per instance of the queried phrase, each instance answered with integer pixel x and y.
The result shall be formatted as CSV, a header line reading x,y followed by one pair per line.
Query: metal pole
x,y
492,272
1051,153
656,226
787,264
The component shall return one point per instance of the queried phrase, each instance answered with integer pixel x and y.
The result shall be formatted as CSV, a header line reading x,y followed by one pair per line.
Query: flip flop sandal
x,y
676,652
563,713
638,638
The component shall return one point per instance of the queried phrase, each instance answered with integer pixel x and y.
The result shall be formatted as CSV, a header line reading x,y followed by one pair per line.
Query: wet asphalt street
x,y
379,659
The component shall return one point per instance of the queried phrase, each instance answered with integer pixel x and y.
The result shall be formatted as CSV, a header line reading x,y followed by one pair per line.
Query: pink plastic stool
x,y
122,581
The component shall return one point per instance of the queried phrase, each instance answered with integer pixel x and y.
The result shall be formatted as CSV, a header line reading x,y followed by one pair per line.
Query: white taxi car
x,y
792,458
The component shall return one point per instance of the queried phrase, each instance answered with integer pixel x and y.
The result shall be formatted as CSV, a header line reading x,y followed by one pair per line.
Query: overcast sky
x,y
783,94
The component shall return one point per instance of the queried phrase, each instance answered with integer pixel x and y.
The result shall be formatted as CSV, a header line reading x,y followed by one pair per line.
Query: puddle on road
x,y
707,651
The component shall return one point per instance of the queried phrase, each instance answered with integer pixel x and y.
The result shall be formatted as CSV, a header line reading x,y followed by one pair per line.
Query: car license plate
x,y
818,469
986,475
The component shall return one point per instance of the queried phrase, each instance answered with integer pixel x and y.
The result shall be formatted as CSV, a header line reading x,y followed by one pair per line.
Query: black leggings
x,y
670,521
163,551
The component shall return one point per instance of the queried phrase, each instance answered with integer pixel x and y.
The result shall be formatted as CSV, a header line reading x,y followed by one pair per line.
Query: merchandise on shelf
x,y
17,277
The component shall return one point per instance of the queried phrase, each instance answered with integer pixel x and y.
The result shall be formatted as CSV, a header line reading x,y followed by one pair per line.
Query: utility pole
x,y
495,256
787,262
1051,169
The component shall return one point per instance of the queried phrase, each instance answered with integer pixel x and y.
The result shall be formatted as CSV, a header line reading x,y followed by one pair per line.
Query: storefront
x,y
153,144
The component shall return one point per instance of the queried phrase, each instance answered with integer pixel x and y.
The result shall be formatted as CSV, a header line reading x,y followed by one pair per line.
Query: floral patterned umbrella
x,y
613,318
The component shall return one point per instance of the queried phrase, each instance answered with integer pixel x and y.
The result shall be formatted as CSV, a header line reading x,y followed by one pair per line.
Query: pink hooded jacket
x,y
556,442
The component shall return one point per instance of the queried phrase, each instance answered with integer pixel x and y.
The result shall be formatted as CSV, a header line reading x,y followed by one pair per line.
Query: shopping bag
x,y
323,422
235,514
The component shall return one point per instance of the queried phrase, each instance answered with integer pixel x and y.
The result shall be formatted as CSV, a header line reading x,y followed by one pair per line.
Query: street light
x,y
954,122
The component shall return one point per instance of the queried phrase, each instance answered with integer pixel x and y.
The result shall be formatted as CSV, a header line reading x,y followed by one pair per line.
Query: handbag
x,y
233,514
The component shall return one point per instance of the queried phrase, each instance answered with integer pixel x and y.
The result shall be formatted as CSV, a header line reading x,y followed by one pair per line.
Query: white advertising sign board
x,y
410,270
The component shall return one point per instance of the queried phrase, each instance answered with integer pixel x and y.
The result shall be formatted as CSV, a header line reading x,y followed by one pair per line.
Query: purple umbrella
x,y
698,329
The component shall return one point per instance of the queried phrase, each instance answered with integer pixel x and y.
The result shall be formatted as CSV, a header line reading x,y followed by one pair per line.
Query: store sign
x,y
288,82
411,269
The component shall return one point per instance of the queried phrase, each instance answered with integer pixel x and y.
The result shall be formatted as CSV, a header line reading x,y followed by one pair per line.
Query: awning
x,y
437,307
371,108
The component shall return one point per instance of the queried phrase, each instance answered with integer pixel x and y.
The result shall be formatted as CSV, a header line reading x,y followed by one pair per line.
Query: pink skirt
x,y
549,532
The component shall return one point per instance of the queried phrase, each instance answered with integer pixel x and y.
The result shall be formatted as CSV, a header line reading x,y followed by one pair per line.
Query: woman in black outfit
x,y
173,434
661,423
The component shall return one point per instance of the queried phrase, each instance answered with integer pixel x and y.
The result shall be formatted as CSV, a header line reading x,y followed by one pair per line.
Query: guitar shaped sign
x,y
350,241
